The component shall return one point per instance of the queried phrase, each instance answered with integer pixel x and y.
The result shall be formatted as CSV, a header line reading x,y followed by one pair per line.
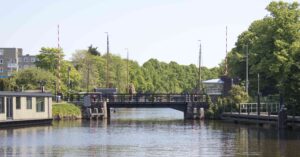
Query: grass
x,y
65,109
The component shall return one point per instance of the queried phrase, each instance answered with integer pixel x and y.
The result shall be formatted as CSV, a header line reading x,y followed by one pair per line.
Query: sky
x,y
168,30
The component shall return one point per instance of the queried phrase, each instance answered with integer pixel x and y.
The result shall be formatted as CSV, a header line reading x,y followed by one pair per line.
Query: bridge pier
x,y
106,110
193,112
189,111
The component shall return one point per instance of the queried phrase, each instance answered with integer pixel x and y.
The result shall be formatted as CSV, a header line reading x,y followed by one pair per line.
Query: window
x,y
25,59
1,61
18,102
1,70
1,52
29,102
32,59
2,105
40,104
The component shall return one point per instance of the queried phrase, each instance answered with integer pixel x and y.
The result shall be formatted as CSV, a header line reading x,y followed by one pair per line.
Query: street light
x,y
247,70
42,84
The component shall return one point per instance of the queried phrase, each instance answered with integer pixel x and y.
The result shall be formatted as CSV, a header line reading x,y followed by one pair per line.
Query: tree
x,y
273,44
238,94
88,67
49,58
29,79
93,51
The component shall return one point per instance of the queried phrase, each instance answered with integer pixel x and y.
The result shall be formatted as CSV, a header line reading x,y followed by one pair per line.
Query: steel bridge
x,y
187,103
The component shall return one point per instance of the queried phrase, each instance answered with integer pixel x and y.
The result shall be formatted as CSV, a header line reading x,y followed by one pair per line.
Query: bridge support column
x,y
106,110
202,113
189,111
282,115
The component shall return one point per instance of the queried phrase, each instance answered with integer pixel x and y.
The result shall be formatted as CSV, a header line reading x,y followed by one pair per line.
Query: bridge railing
x,y
98,97
252,108
155,98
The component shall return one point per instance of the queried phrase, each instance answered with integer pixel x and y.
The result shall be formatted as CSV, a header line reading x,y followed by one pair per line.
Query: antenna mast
x,y
226,68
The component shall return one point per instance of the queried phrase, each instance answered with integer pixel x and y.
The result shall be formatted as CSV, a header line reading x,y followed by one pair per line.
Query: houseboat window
x,y
2,105
40,104
18,102
29,102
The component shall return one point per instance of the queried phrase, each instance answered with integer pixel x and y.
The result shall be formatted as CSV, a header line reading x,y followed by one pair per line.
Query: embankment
x,y
65,110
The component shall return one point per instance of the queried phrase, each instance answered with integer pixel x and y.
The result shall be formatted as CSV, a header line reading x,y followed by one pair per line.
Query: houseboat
x,y
25,108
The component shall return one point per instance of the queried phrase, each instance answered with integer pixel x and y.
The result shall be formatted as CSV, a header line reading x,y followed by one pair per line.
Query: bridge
x,y
98,104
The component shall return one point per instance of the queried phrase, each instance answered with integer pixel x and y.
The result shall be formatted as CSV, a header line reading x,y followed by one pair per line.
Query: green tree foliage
x,y
75,77
152,76
88,71
274,48
238,94
5,84
29,79
93,51
49,58
90,68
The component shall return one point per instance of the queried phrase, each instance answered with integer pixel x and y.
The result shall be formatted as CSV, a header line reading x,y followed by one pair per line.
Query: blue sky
x,y
168,30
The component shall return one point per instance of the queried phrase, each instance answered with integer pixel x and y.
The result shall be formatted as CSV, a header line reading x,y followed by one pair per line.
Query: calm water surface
x,y
148,132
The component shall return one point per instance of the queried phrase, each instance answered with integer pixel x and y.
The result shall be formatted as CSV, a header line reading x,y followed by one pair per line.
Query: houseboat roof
x,y
215,81
37,94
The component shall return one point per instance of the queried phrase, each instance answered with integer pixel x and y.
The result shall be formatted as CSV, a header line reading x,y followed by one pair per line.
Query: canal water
x,y
148,132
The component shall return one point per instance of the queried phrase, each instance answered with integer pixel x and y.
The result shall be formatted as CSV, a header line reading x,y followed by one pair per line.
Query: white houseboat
x,y
25,108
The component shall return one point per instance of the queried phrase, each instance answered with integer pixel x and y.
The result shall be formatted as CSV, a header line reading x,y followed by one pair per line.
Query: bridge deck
x,y
175,101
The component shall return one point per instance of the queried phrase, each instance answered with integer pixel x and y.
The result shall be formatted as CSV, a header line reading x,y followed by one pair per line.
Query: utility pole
x,y
247,69
199,83
258,96
88,78
258,91
127,82
58,63
107,60
69,83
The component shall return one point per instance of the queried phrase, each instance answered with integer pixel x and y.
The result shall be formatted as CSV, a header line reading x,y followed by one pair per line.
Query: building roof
x,y
37,94
215,81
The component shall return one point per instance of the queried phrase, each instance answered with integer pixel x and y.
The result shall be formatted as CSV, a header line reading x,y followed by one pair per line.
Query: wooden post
x,y
248,110
106,110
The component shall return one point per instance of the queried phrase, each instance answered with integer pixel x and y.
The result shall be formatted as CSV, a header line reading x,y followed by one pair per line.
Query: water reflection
x,y
144,133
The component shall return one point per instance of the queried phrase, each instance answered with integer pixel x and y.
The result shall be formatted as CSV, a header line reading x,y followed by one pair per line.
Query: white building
x,y
25,106
213,86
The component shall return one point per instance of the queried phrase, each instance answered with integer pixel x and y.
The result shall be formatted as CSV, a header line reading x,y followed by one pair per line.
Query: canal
x,y
148,132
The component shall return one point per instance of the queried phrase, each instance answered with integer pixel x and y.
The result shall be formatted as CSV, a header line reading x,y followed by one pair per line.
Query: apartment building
x,y
12,59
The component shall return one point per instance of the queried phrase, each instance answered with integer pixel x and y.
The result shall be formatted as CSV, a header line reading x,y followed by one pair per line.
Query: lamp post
x,y
55,91
247,70
42,84
69,69
127,73
258,95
